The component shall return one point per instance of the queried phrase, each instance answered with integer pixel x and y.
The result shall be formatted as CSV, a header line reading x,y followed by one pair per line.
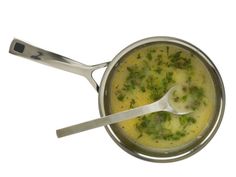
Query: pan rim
x,y
209,64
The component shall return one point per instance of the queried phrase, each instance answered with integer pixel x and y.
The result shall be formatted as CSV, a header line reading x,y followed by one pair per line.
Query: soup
x,y
144,76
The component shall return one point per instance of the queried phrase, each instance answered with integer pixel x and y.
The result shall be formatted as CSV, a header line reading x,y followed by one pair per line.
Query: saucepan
x,y
26,50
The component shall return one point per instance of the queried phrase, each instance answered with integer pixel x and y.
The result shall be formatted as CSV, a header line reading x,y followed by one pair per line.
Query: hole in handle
x,y
18,47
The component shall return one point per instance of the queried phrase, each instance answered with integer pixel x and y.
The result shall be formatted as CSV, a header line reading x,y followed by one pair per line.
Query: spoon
x,y
164,104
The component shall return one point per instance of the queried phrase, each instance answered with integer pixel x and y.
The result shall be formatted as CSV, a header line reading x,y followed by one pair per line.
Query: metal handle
x,y
160,105
25,50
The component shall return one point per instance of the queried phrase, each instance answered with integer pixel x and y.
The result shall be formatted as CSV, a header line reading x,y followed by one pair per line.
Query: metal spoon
x,y
164,104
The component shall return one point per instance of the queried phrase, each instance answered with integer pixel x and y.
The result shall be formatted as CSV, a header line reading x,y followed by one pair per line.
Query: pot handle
x,y
25,50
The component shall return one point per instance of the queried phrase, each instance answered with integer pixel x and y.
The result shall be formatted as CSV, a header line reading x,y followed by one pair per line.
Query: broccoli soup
x,y
144,76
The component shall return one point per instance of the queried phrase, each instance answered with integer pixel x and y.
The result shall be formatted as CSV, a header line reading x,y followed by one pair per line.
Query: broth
x,y
144,76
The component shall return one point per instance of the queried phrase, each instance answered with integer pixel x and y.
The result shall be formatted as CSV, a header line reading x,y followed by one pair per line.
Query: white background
x,y
35,100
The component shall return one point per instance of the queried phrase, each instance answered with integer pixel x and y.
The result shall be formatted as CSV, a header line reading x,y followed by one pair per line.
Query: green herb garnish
x,y
135,77
154,125
186,120
132,103
149,56
167,81
184,98
158,70
167,50
121,97
180,62
138,56
197,95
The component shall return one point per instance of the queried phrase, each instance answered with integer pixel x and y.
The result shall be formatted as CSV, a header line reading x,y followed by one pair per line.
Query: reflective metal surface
x,y
156,155
25,50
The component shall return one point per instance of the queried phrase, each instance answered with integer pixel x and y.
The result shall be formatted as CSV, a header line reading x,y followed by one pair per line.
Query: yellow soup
x,y
144,76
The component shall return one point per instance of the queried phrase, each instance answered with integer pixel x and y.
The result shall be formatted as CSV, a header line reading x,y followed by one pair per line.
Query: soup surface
x,y
144,76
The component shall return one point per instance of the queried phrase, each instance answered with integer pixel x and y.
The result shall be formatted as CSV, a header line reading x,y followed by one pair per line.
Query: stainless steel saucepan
x,y
23,49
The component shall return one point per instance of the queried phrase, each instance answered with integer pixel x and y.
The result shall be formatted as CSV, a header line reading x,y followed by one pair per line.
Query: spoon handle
x,y
113,118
